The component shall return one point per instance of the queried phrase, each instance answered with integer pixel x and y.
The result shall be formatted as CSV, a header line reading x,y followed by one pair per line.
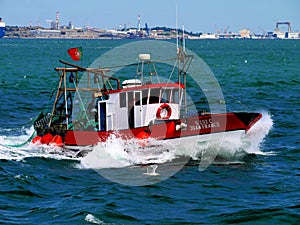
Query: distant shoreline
x,y
156,33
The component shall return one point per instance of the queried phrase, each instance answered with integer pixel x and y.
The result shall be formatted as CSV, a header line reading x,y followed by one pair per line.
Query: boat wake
x,y
117,153
19,147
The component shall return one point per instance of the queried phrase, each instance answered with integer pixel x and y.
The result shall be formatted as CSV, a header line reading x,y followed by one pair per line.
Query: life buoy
x,y
164,112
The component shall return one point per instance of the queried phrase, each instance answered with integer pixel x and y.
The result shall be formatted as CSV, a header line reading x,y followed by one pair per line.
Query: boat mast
x,y
182,64
178,52
184,72
183,61
177,47
65,95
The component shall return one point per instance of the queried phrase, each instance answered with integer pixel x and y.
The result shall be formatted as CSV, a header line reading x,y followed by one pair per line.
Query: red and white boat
x,y
87,112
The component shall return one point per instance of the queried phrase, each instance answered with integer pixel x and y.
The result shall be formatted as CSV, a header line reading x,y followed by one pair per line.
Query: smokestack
x,y
57,20
139,23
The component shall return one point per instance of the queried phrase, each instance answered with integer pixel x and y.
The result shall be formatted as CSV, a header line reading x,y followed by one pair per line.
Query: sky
x,y
207,16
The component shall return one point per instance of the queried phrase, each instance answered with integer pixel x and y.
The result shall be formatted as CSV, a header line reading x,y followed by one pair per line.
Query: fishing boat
x,y
2,28
90,106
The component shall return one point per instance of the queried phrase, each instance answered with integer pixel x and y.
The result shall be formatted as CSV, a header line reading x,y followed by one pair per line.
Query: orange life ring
x,y
162,108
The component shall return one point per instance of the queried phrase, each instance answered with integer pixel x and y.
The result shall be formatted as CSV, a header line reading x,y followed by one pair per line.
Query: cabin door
x,y
138,112
102,116
105,115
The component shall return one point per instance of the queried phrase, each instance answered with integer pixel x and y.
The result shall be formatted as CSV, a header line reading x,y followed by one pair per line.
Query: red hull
x,y
197,125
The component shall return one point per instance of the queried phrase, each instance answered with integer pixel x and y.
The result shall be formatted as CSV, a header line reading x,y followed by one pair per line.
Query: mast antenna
x,y
176,8
183,39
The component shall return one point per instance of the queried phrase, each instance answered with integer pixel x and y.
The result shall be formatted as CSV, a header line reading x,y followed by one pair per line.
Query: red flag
x,y
75,53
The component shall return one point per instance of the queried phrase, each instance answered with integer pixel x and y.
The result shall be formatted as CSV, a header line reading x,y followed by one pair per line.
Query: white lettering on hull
x,y
204,124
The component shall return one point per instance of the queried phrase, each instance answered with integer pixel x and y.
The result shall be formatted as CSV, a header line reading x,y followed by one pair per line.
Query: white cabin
x,y
137,105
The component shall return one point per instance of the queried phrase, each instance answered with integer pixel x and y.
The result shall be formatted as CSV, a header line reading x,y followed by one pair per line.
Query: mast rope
x,y
236,100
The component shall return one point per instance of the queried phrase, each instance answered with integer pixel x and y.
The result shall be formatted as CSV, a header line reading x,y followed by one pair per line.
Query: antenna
x,y
176,7
183,39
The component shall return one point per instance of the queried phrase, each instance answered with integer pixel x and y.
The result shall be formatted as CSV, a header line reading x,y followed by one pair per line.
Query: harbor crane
x,y
284,23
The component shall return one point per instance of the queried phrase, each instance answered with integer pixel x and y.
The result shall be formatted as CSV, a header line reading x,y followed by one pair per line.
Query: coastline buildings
x,y
246,34
56,30
155,33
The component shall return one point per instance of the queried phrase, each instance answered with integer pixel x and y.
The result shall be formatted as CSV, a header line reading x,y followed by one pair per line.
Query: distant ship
x,y
2,28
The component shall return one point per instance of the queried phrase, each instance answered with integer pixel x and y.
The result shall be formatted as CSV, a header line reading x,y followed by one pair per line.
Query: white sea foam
x,y
93,219
151,170
20,147
116,153
8,140
256,135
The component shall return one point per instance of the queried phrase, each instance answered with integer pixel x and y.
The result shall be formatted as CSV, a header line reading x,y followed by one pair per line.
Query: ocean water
x,y
252,182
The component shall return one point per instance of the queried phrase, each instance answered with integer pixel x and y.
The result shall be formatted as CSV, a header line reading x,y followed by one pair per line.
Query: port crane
x,y
284,23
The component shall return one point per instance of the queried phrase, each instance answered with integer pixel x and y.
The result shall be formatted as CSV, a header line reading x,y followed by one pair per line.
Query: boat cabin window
x,y
145,96
165,96
123,100
137,97
175,97
154,96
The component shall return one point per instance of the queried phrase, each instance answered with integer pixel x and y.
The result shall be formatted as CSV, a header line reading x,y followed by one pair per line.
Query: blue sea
x,y
257,183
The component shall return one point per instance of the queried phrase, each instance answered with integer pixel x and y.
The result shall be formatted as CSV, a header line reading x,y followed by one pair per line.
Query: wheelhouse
x,y
141,105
